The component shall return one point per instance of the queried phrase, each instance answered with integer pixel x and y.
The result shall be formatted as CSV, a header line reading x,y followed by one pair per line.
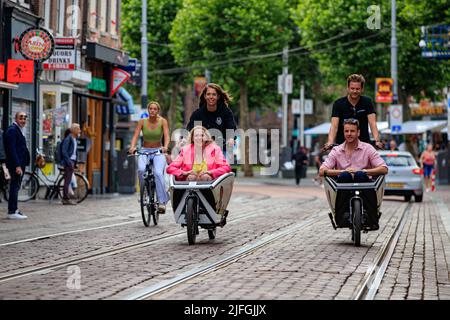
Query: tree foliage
x,y
344,44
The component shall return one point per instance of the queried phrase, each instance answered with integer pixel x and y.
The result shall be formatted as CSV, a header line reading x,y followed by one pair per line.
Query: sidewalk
x,y
278,180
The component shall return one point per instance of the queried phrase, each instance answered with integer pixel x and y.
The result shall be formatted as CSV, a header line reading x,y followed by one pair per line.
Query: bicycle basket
x,y
40,161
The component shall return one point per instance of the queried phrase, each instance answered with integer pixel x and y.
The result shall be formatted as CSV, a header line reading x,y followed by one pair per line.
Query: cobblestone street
x,y
311,261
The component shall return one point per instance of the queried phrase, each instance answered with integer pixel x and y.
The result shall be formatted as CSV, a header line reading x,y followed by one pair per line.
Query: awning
x,y
7,85
103,53
324,128
95,97
418,127
128,106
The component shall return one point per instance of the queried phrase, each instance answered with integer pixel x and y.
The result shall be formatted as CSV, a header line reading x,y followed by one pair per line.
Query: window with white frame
x,y
47,17
113,15
103,17
60,14
93,14
23,3
73,22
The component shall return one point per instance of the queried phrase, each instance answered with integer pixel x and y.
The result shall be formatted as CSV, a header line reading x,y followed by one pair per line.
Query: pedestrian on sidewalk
x,y
427,162
301,160
69,160
17,158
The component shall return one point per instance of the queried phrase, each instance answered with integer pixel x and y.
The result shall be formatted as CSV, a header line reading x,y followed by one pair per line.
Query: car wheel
x,y
407,198
418,198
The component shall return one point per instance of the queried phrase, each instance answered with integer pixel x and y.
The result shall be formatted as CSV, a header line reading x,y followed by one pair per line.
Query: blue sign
x,y
131,67
144,115
397,128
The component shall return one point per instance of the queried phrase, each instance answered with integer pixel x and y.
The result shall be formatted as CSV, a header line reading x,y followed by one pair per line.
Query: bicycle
x,y
149,203
31,183
4,185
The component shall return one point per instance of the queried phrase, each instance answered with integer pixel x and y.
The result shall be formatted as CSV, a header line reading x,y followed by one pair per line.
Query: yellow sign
x,y
384,90
426,107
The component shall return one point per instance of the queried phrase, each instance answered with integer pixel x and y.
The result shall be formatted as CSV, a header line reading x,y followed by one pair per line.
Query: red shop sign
x,y
20,71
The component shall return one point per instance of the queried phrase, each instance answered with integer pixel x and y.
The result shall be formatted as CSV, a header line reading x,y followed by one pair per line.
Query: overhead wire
x,y
264,56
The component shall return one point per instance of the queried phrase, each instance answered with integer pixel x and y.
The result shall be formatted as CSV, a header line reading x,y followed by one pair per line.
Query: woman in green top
x,y
154,128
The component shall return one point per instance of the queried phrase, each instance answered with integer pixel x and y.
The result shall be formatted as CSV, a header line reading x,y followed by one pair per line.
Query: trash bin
x,y
126,166
126,173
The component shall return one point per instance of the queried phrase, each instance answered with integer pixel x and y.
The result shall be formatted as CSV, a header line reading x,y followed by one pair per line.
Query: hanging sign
x,y
384,92
119,77
20,71
36,44
63,57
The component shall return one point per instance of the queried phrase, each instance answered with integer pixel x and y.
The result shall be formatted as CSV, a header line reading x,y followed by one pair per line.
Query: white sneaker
x,y
17,216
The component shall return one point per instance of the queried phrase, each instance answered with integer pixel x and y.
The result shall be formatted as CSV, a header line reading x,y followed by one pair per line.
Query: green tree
x,y
160,14
228,37
343,43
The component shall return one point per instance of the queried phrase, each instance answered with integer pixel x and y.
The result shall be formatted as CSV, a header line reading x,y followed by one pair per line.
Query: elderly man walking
x,y
17,158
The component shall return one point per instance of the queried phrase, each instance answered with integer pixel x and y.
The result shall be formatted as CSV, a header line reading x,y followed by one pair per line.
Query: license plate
x,y
395,185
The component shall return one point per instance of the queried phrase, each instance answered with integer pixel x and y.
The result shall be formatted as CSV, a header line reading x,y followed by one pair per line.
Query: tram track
x,y
42,269
365,291
169,284
58,234
371,281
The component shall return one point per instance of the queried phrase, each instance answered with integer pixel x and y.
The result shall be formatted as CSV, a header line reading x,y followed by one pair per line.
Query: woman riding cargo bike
x,y
154,129
200,185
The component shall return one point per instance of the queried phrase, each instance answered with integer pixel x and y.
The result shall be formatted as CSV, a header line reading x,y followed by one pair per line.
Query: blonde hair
x,y
155,103
205,132
356,78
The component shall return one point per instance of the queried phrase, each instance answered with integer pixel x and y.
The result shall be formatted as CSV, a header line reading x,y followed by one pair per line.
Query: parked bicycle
x,y
148,200
4,185
33,181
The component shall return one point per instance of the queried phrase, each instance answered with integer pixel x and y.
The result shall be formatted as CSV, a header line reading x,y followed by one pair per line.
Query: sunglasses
x,y
351,121
23,117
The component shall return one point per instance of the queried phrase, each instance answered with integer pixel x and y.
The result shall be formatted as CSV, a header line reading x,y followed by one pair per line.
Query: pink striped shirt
x,y
363,157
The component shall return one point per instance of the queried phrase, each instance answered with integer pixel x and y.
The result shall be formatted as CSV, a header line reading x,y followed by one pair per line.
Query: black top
x,y
221,119
299,157
343,109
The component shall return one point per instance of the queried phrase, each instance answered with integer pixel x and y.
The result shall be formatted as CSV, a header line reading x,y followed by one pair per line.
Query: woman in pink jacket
x,y
200,160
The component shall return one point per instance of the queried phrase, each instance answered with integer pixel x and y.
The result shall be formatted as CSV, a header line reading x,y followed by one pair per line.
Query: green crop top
x,y
152,135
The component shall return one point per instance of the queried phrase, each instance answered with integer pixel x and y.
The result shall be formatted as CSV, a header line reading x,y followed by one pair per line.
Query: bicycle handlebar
x,y
145,153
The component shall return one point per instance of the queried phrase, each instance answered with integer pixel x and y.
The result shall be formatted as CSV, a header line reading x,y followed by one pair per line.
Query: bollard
x,y
433,177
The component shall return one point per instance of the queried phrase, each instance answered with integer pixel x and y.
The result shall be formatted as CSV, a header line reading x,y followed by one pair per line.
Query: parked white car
x,y
405,178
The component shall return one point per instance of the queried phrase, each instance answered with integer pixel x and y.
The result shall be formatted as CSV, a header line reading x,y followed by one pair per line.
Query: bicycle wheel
x,y
356,231
5,190
29,187
145,203
78,189
191,222
153,210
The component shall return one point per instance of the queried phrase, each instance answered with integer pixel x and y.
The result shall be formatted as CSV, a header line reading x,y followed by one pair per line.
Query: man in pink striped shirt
x,y
354,160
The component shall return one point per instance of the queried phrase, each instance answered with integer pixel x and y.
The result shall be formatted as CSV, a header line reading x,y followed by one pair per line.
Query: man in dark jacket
x,y
301,160
69,159
17,158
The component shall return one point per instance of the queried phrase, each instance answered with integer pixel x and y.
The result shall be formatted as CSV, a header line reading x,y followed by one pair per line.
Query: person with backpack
x,y
69,160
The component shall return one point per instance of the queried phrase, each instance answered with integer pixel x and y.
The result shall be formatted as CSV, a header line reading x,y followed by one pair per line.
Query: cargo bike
x,y
355,205
201,204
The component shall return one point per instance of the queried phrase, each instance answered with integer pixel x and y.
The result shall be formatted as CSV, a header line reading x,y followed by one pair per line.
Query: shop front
x,y
55,117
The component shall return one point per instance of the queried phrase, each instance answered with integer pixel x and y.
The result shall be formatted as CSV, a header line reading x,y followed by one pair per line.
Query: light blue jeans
x,y
159,164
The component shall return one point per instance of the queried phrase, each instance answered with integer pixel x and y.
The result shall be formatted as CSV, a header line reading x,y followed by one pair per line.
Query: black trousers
x,y
298,174
68,172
